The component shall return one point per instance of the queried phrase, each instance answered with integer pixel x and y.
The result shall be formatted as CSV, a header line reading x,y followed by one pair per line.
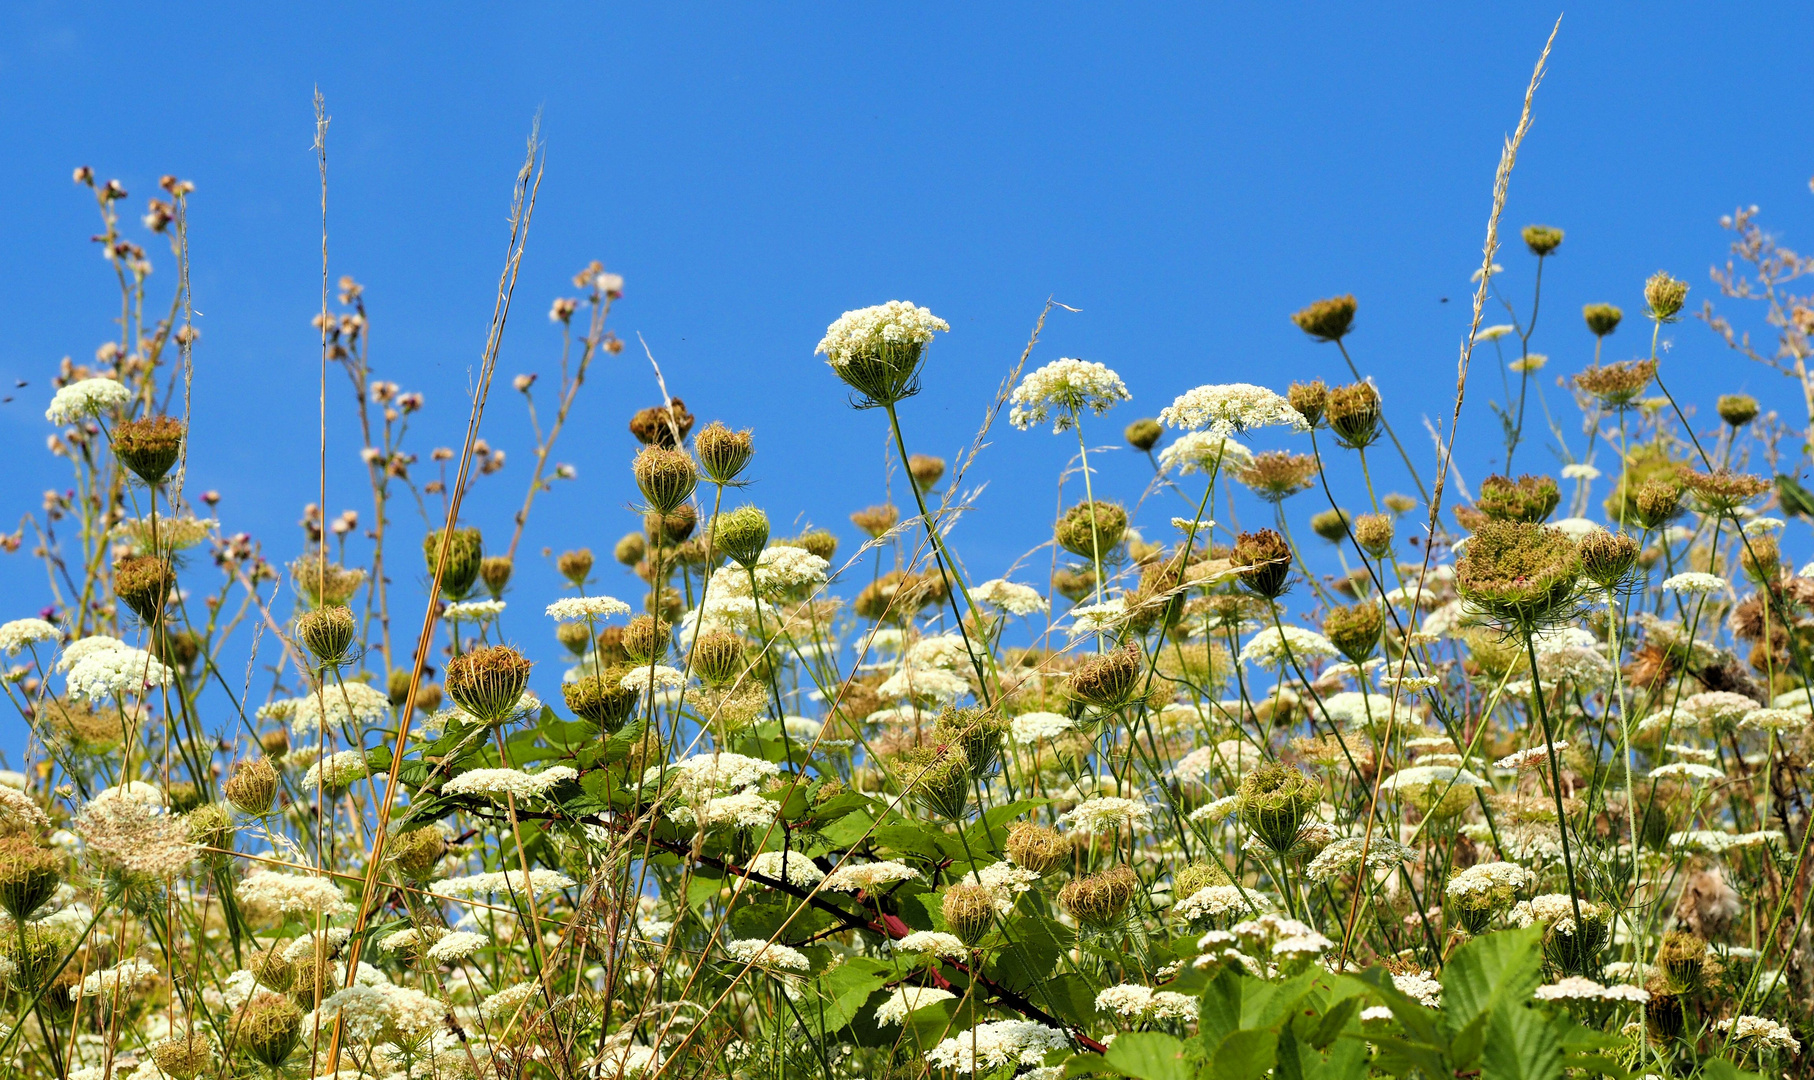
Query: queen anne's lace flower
x,y
933,943
663,676
1268,650
1762,1031
477,611
337,771
1694,770
1576,988
990,1046
1031,729
1230,408
1695,583
457,946
868,876
508,1001
1344,855
789,866
1420,985
1529,757
24,633
574,608
542,882
1140,1003
1009,596
905,1000
101,666
84,398
1211,901
293,894
1488,879
349,703
126,978
766,954
1065,387
863,331
1200,451
499,785
1777,720
1107,814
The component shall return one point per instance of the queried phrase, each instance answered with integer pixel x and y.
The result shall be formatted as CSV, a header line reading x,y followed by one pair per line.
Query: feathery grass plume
x,y
741,535
326,583
1262,561
1276,475
495,571
1542,239
1737,410
328,633
602,699
1601,319
1618,384
1723,490
969,912
666,477
488,681
1520,574
875,521
663,426
1327,320
723,453
1091,528
1143,434
879,351
1356,630
1353,413
1100,900
1310,399
465,552
1528,498
149,446
1373,532
1606,557
144,583
1664,296
1332,525
1273,801
252,789
1039,848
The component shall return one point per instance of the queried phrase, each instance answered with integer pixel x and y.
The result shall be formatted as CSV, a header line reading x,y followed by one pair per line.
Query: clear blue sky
x,y
1186,176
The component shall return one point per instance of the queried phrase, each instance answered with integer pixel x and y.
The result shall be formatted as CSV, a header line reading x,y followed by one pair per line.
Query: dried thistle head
x,y
1520,573
1038,848
1276,475
1327,320
1332,525
1356,631
1618,384
1263,562
1528,498
1723,490
465,551
1373,532
144,583
1602,319
926,470
1664,296
487,681
1353,412
665,476
1542,239
252,788
1606,557
723,453
1099,900
662,425
149,446
495,571
876,520
328,633
1090,530
969,912
1309,399
1109,680
1737,410
1144,434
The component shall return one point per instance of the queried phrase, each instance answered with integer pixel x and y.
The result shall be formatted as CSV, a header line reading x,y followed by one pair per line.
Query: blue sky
x,y
1184,175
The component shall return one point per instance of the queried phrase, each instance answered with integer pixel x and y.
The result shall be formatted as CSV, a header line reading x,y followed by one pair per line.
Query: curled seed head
x,y
646,639
1602,319
1263,562
487,682
1332,525
1353,412
1091,529
144,583
495,572
252,788
1327,320
969,911
662,425
1664,296
1737,409
741,534
1099,900
1355,631
1542,239
1373,532
465,553
719,658
1606,557
1144,434
723,453
328,633
149,446
1309,399
876,520
417,852
1038,848
926,470
665,476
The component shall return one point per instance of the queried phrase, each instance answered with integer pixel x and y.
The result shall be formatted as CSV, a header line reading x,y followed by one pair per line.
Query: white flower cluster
x,y
1288,937
1762,1031
1107,814
1065,386
541,882
1695,583
771,955
1493,878
336,772
293,894
1719,706
20,811
1005,880
704,775
1139,1003
1031,729
1209,902
990,1046
1554,910
1344,856
1576,988
1200,451
457,945
575,608
344,704
1423,777
1693,770
85,398
742,809
863,331
475,611
1530,757
905,1000
789,866
130,976
1268,648
100,666
24,633
867,876
1230,408
933,943
1008,596
1713,842
664,677
498,785
1420,985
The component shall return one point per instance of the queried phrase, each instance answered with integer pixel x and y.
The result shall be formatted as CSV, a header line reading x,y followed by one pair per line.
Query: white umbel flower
x,y
575,608
542,881
84,398
933,943
24,633
990,1046
1107,814
1230,408
905,1000
868,876
293,894
1695,583
1008,596
1199,451
1761,1031
1693,770
771,955
1064,387
863,331
499,785
476,611
101,667
1031,729
1268,648
789,866
349,703
457,946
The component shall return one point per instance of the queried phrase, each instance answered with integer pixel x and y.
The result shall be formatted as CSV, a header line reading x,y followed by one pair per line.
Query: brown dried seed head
x,y
149,446
1327,320
253,787
1542,239
723,453
665,426
487,682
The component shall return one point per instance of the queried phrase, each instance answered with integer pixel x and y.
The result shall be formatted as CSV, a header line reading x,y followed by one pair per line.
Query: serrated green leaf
x,y
1521,1044
1147,1055
1490,970
1243,1055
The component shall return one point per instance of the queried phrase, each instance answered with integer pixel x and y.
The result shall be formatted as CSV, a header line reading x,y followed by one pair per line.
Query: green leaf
x,y
1034,945
1219,1009
848,986
1721,1069
1148,1055
1333,1021
1489,971
1243,1055
1521,1044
